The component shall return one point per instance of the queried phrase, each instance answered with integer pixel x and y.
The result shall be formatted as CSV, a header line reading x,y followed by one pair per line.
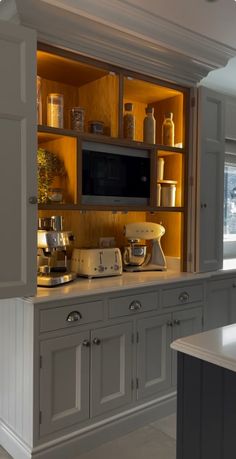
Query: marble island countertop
x,y
83,286
216,346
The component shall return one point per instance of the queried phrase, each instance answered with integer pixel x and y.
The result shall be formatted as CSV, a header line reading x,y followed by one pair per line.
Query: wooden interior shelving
x,y
102,90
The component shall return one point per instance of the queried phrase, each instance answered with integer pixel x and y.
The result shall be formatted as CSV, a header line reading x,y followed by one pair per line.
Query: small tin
x,y
77,119
96,127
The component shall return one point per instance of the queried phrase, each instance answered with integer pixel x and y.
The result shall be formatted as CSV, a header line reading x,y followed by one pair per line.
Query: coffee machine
x,y
136,256
52,244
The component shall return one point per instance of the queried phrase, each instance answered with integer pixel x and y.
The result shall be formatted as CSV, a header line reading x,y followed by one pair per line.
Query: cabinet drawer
x,y
182,295
69,316
133,304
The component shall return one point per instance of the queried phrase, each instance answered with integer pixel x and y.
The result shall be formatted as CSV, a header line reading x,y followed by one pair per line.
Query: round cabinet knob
x,y
96,341
135,306
183,297
234,285
74,316
86,343
33,200
169,323
176,322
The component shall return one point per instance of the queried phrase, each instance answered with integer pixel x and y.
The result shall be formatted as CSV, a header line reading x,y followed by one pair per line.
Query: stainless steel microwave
x,y
115,175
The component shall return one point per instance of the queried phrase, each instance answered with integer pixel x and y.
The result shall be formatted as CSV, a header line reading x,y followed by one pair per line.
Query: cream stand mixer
x,y
135,255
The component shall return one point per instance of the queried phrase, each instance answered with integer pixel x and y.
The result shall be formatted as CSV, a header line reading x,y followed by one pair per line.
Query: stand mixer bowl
x,y
134,254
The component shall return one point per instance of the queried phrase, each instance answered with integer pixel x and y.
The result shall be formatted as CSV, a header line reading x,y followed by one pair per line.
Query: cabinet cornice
x,y
142,42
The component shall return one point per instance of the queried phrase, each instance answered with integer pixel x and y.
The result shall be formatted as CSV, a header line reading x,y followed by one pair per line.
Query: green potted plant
x,y
49,166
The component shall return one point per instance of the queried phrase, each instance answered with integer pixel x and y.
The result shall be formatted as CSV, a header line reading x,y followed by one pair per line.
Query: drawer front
x,y
70,316
182,295
133,304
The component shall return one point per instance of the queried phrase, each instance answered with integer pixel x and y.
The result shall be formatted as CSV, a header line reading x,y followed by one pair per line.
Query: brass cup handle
x,y
183,297
74,316
96,341
135,306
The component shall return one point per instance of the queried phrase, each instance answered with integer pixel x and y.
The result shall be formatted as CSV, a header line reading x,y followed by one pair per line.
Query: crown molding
x,y
137,41
8,11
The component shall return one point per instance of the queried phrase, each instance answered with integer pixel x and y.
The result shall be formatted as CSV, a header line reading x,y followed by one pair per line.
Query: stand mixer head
x,y
135,256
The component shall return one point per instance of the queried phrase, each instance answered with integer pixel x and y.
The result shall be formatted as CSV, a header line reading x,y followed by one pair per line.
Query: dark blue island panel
x,y
206,410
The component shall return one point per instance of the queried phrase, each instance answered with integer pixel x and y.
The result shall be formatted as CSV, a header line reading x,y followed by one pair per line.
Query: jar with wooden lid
x,y
149,126
129,122
168,130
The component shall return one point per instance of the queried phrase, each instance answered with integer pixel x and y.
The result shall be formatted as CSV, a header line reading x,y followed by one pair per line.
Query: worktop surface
x,y
82,286
216,346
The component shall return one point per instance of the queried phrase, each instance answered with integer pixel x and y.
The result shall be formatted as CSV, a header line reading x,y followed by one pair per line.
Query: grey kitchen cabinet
x,y
153,355
220,306
210,180
111,367
18,186
184,323
64,381
83,375
230,118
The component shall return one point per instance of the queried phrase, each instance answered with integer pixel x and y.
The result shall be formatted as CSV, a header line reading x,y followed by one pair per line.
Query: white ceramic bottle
x,y
149,126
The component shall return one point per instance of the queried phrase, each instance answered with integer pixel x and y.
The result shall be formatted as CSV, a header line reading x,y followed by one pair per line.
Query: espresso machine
x,y
52,244
136,256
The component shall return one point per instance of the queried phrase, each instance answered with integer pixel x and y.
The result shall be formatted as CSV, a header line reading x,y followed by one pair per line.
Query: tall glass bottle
x,y
168,130
149,126
129,122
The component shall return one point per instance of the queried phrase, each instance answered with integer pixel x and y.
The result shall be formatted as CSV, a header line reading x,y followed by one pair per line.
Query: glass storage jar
x,y
77,119
39,101
129,122
55,110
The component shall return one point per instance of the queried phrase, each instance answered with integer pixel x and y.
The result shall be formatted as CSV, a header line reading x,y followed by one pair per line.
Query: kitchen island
x,y
206,400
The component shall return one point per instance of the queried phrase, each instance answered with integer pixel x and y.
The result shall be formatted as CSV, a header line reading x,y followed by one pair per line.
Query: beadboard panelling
x,y
16,359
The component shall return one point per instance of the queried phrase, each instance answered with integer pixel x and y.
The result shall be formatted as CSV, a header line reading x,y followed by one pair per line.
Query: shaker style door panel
x,y
18,161
185,323
220,309
210,175
111,368
230,119
64,382
153,355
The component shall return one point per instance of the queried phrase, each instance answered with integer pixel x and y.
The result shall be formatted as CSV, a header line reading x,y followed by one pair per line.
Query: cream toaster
x,y
96,262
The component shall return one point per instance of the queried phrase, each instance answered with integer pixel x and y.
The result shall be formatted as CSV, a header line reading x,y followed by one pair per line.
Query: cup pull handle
x,y
74,316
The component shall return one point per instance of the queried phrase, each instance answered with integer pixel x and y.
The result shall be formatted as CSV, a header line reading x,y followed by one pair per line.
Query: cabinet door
x,y
18,161
209,237
230,119
153,355
64,382
185,323
111,365
220,309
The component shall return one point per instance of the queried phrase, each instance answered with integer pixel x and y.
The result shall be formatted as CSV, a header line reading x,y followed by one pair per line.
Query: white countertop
x,y
216,346
82,286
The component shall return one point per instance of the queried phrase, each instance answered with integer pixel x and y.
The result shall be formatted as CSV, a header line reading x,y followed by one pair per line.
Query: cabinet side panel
x,y
16,360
